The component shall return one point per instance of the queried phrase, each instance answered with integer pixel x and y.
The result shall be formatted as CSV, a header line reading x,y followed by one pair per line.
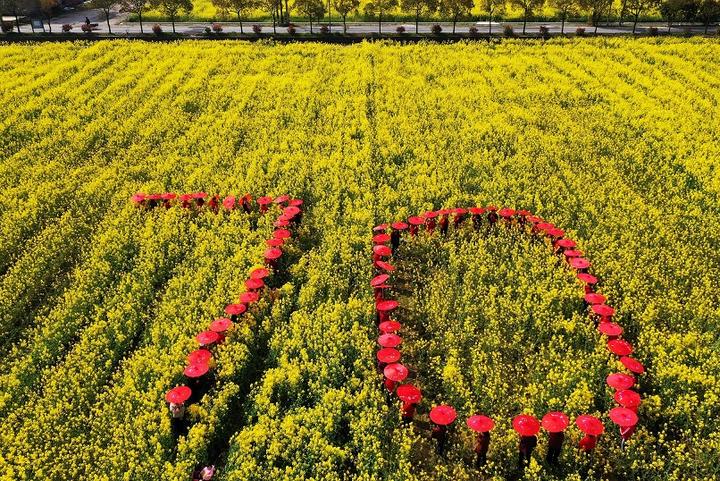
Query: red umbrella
x,y
386,305
178,395
492,208
623,417
524,213
589,425
291,211
572,253
382,250
476,210
154,196
380,228
259,273
254,284
610,329
235,309
282,198
199,356
388,355
395,372
389,340
535,219
169,196
555,232
273,253
389,326
381,238
139,197
386,266
264,200
207,337
506,212
480,423
196,370
526,425
379,280
633,365
199,195
409,393
248,297
595,298
555,422
443,415
296,202
274,242
566,243
281,223
282,234
430,214
603,310
229,202
587,278
399,225
579,263
628,398
415,220
186,197
545,226
620,347
620,381
220,325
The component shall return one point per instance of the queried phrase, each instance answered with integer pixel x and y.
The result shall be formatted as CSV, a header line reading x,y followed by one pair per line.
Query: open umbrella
x,y
229,202
254,284
248,297
199,356
623,417
196,370
389,340
566,243
220,325
526,425
178,395
633,365
259,273
480,423
555,422
620,347
389,326
443,415
139,197
281,198
579,263
291,211
572,253
235,309
476,210
379,280
506,212
628,398
620,381
587,278
274,242
388,355
386,305
381,238
409,393
545,226
555,232
610,329
589,425
603,310
385,266
595,298
382,250
380,228
273,253
395,372
416,220
207,337
282,234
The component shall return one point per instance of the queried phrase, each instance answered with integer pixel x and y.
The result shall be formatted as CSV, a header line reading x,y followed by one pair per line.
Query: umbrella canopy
x,y
480,423
443,415
623,417
220,325
399,225
545,226
389,326
382,250
579,263
476,210
603,310
196,370
282,234
526,425
409,393
264,200
386,266
207,337
273,253
379,280
235,309
628,398
386,305
416,220
589,425
168,196
199,195
632,365
259,273
566,243
274,242
229,202
555,232
381,238
291,211
281,198
587,278
388,355
506,212
139,197
595,298
572,253
254,284
248,297
296,202
555,422
199,356
389,340
380,228
620,347
178,395
610,329
620,381
395,372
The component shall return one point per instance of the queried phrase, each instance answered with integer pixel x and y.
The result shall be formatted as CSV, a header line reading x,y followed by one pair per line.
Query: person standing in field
x,y
482,444
527,445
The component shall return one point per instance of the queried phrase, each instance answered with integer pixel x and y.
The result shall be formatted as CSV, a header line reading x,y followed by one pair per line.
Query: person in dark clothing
x,y
178,422
87,21
482,444
440,434
444,223
395,239
492,217
555,443
408,412
527,445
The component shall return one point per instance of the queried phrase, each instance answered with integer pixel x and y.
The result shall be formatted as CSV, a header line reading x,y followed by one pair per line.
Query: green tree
x,y
171,8
492,7
344,7
105,6
418,7
311,9
134,6
637,7
595,9
272,6
456,9
528,7
378,7
46,7
709,12
564,8
679,10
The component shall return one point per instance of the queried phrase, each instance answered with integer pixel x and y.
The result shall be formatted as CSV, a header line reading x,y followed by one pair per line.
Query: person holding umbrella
x,y
176,398
410,397
442,416
198,379
394,373
385,356
555,424
527,427
476,213
627,420
492,214
592,427
481,425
